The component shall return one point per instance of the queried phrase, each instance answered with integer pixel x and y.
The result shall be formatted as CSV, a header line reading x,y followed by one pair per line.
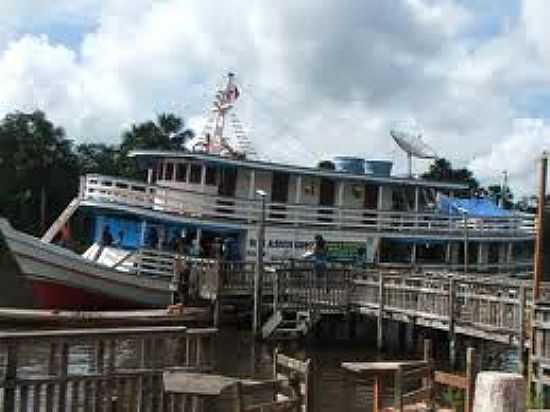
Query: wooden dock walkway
x,y
494,308
157,317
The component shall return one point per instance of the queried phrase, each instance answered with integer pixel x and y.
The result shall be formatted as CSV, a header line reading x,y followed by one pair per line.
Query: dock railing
x,y
99,369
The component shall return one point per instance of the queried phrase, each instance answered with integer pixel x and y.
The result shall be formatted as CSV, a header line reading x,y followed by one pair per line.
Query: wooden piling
x,y
451,314
522,367
380,319
539,244
470,380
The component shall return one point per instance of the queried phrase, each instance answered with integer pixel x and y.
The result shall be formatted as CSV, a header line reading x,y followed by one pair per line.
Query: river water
x,y
238,355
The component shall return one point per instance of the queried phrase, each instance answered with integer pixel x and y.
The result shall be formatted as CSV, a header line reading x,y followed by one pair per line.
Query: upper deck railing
x,y
207,206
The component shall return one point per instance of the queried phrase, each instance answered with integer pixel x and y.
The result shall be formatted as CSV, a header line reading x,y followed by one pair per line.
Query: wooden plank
x,y
23,397
450,379
196,383
75,392
365,368
10,376
63,369
36,397
88,389
291,363
99,332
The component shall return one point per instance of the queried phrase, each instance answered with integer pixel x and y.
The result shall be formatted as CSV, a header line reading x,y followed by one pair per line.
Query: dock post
x,y
452,335
521,332
258,273
380,323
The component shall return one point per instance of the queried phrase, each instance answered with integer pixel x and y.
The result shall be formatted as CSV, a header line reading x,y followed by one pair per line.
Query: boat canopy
x,y
474,207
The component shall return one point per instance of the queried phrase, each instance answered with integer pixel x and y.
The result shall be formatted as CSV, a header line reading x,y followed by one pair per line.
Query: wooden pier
x,y
118,369
150,369
492,308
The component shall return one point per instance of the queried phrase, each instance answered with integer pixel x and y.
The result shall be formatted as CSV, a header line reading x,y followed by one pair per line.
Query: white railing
x,y
201,205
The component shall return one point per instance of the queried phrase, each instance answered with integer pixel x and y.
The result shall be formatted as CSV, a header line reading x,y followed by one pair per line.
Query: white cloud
x,y
317,78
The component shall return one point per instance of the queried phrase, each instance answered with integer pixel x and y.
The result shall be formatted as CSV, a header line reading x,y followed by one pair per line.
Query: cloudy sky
x,y
317,78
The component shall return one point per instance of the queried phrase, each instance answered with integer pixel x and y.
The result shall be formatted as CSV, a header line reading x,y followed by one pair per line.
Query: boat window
x,y
181,172
169,171
195,174
228,181
371,196
210,178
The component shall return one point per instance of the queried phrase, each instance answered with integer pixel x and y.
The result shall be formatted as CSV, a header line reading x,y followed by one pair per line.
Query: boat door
x,y
326,199
279,194
226,188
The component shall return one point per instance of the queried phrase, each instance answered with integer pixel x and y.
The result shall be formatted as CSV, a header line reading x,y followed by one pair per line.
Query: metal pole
x,y
466,257
539,248
258,274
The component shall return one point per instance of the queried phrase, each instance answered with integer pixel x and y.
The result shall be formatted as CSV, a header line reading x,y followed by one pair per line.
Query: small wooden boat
x,y
62,279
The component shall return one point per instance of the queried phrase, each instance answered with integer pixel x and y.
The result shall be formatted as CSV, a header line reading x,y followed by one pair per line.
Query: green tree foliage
x,y
442,170
99,158
39,167
38,170
167,133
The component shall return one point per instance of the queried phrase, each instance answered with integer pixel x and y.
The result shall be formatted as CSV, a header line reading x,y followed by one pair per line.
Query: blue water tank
x,y
378,167
349,164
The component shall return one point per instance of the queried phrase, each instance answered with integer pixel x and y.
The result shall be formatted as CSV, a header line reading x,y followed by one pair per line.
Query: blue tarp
x,y
474,207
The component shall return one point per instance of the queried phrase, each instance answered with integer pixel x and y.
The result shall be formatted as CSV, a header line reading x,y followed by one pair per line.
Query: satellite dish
x,y
413,145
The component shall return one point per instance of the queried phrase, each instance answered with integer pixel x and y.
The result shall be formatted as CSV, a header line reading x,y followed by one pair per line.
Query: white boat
x,y
60,278
364,214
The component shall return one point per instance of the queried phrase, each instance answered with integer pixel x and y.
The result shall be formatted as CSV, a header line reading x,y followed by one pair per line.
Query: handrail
x,y
206,205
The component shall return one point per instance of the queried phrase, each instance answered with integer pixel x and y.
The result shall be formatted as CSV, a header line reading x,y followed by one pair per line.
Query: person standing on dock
x,y
320,259
180,282
106,237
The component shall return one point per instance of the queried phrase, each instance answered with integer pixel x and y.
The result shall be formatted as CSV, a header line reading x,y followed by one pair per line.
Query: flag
x,y
232,94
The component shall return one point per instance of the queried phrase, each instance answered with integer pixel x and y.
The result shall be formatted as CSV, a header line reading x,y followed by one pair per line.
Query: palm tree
x,y
173,128
167,133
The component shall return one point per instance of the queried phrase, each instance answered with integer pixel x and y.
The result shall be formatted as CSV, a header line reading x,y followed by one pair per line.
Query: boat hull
x,y
50,295
61,279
